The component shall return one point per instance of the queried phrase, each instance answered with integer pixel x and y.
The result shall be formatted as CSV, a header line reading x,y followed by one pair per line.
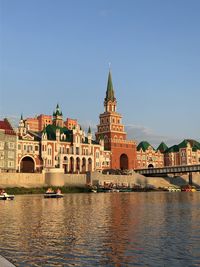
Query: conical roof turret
x,y
110,91
57,111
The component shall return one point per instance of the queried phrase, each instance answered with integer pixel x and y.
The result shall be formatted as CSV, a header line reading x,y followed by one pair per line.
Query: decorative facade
x,y
8,146
185,153
47,142
38,123
148,157
28,149
59,147
111,130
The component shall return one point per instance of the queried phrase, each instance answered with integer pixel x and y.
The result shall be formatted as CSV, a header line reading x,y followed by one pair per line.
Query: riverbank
x,y
34,183
42,190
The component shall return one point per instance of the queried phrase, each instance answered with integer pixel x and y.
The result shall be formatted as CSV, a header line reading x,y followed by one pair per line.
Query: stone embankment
x,y
56,177
5,263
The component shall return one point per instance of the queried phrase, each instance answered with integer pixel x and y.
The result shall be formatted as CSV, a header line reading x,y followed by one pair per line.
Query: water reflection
x,y
113,229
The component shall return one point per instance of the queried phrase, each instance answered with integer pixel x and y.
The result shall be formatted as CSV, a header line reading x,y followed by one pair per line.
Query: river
x,y
102,229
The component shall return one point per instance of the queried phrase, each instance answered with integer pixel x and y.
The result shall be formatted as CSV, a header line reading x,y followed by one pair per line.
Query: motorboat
x,y
5,196
53,195
173,189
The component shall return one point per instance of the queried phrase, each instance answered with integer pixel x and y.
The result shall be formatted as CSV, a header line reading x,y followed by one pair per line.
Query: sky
x,y
58,51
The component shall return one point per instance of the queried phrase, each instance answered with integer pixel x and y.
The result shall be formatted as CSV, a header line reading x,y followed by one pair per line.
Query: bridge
x,y
170,170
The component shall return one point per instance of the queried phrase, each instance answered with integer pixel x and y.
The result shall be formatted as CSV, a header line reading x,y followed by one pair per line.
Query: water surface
x,y
104,229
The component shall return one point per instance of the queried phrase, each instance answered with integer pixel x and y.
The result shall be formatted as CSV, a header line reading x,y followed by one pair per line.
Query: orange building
x,y
111,129
38,123
70,123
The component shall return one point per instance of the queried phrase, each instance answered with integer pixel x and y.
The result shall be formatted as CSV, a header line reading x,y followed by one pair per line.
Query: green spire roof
x,y
57,112
144,145
162,147
89,130
110,91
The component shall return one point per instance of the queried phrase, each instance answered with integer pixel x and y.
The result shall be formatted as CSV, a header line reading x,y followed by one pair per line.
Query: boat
x,y
52,194
189,188
173,189
5,196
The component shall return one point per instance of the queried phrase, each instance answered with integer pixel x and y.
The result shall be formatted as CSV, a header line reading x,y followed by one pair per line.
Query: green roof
x,y
110,91
93,141
89,130
194,145
144,145
162,147
57,112
171,149
50,130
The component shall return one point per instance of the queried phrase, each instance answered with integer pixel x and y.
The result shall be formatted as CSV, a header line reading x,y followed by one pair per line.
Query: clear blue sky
x,y
57,51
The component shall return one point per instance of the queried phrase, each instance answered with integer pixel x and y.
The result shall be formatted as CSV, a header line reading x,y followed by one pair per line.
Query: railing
x,y
168,170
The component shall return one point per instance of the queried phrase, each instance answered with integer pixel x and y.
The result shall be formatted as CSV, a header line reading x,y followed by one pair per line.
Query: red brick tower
x,y
111,129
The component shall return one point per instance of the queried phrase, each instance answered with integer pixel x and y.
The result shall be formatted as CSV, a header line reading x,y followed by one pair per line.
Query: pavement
x,y
5,263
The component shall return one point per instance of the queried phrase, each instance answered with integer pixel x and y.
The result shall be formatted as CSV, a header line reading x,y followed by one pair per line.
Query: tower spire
x,y
110,100
110,91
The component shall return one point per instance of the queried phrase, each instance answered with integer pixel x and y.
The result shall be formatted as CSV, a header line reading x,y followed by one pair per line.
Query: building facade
x,y
148,157
38,123
111,130
60,147
28,149
185,153
72,149
8,146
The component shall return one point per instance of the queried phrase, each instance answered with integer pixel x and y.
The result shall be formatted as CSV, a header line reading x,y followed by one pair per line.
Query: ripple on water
x,y
136,229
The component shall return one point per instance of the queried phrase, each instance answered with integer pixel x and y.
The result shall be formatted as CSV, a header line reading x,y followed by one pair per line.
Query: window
x,y
10,164
11,145
49,151
19,147
1,145
29,148
1,163
11,154
1,155
36,148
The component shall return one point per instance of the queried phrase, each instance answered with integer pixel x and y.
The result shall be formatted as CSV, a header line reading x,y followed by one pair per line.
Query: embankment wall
x,y
135,178
30,180
71,180
22,180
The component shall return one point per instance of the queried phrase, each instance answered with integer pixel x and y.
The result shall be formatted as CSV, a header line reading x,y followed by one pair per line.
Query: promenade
x,y
5,263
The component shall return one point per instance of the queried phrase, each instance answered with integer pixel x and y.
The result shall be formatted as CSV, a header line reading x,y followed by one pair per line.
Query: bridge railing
x,y
170,169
